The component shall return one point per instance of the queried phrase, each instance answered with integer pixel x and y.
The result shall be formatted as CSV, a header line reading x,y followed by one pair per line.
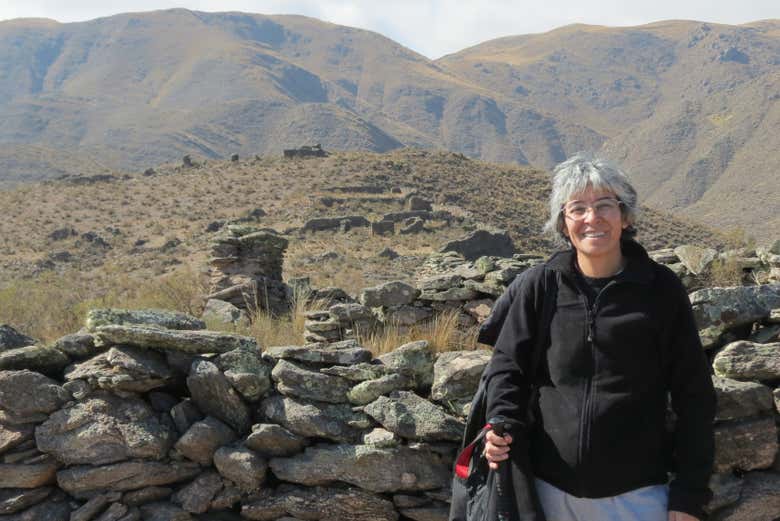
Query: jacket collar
x,y
639,267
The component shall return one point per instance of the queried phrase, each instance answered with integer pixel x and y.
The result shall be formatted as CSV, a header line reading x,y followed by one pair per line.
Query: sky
x,y
430,27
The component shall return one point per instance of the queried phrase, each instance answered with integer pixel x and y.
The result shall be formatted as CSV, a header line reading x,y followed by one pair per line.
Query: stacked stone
x,y
340,321
693,264
741,325
246,269
153,417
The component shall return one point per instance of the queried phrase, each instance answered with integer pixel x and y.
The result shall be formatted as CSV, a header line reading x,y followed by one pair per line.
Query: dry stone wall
x,y
148,415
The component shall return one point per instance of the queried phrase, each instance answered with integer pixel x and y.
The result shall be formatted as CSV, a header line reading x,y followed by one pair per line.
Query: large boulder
x,y
741,399
269,439
321,503
241,466
745,445
247,372
294,380
146,317
104,429
336,422
414,359
413,417
82,481
717,310
482,242
123,368
760,499
212,393
202,440
371,468
10,338
30,395
193,342
743,360
456,375
394,293
695,258
41,359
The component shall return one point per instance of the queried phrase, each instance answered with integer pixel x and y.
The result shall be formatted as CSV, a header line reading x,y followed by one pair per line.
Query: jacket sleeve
x,y
508,388
489,330
694,404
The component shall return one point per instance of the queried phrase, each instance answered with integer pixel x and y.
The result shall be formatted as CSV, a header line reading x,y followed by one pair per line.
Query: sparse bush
x,y
724,272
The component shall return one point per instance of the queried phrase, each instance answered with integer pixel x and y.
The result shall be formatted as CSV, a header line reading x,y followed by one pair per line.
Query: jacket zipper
x,y
587,406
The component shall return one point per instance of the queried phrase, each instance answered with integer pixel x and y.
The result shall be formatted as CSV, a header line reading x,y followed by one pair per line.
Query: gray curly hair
x,y
580,172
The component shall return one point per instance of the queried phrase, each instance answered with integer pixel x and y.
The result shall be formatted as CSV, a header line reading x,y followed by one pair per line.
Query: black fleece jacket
x,y
603,383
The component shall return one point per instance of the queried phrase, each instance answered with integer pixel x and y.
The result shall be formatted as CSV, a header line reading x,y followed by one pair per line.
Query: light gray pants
x,y
643,504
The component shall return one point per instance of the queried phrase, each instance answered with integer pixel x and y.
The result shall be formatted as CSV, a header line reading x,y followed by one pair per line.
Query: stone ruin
x,y
147,415
245,269
305,151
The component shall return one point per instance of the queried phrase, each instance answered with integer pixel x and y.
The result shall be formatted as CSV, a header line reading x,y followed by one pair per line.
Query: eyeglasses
x,y
604,208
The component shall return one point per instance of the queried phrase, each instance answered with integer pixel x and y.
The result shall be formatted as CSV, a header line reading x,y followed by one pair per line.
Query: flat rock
x,y
346,353
320,503
41,359
412,417
745,445
437,511
145,495
160,511
760,499
10,338
124,369
294,380
456,294
441,282
269,439
741,399
145,317
415,359
336,422
394,293
27,476
26,393
359,372
13,500
84,480
247,372
54,508
113,513
104,428
404,315
242,466
381,438
197,496
456,374
370,390
213,394
192,342
718,309
743,360
91,508
371,468
203,438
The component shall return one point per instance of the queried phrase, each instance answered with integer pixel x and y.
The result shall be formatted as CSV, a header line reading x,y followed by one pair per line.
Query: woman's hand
x,y
681,516
497,449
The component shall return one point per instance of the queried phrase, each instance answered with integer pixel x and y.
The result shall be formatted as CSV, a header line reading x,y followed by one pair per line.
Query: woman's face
x,y
597,234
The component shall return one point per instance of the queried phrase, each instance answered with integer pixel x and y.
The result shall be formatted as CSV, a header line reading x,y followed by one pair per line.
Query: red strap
x,y
462,463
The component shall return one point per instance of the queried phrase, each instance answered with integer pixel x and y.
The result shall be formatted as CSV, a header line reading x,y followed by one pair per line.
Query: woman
x,y
621,340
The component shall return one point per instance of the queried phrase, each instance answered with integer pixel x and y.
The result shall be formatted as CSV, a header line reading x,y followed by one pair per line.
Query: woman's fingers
x,y
496,448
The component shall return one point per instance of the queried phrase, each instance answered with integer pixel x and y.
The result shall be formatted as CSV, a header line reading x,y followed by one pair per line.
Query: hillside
x,y
689,109
146,225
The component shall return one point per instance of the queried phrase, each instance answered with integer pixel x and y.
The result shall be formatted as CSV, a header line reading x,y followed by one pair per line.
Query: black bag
x,y
474,490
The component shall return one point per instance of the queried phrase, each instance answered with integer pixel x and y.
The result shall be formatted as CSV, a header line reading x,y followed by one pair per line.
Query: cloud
x,y
430,27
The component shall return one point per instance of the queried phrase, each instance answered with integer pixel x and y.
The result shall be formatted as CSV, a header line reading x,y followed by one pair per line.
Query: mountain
x,y
689,109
